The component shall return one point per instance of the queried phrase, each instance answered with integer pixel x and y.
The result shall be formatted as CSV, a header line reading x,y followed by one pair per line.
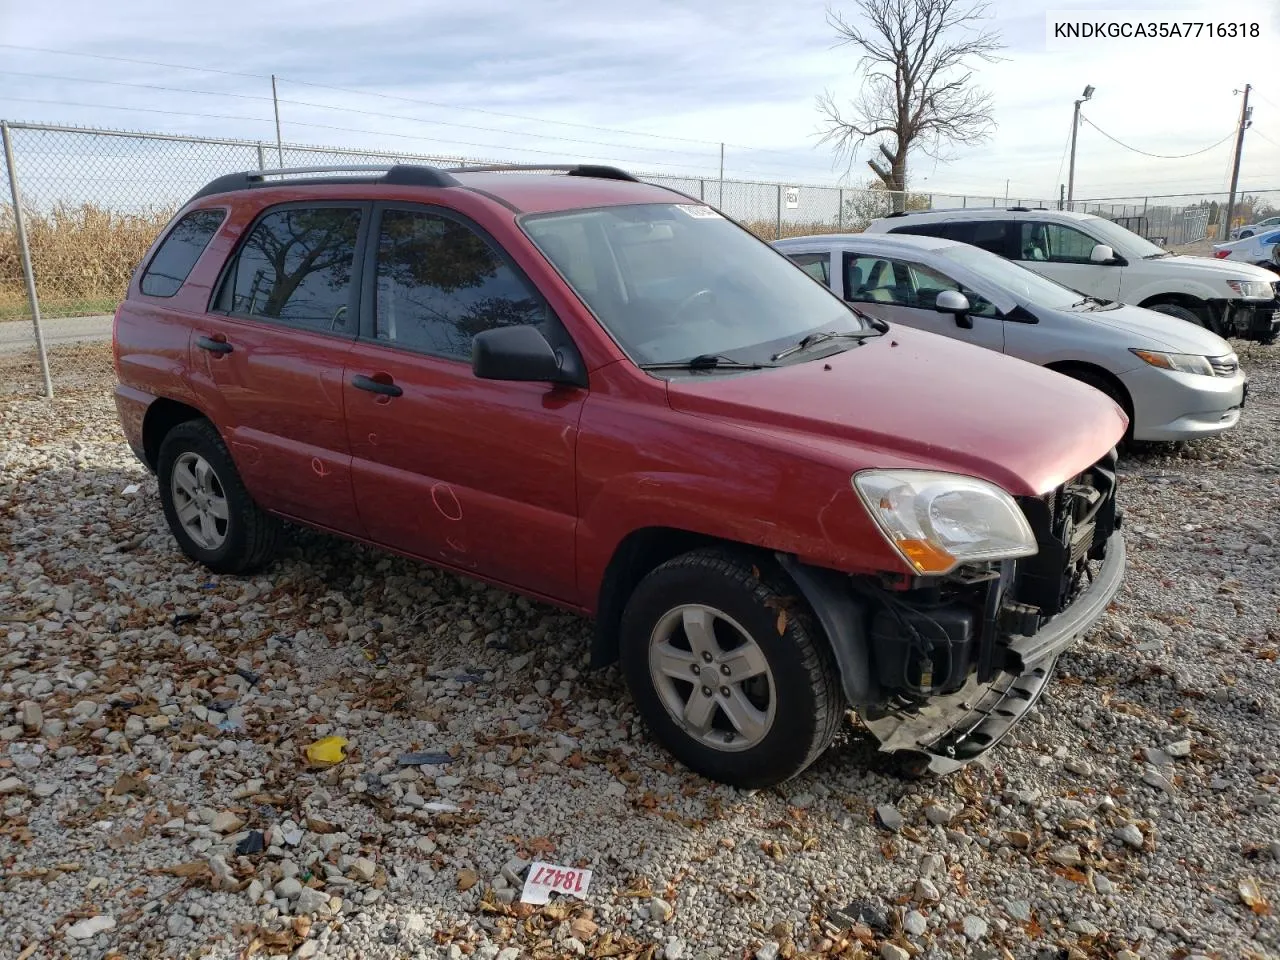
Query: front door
x,y
1061,253
475,474
267,362
905,292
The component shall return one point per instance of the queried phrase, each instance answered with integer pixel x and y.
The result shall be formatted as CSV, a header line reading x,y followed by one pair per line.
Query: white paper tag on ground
x,y
130,490
545,879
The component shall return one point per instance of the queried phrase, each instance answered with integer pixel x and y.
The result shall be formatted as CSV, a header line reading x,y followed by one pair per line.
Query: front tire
x,y
209,511
728,670
1181,312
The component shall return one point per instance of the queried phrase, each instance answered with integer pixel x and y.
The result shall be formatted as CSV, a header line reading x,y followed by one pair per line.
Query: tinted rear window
x,y
993,235
171,265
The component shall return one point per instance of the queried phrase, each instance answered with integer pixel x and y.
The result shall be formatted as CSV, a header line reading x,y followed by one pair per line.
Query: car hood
x,y
1145,326
909,398
1210,269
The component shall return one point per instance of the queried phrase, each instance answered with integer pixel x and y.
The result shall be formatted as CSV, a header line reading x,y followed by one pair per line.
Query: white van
x,y
1102,259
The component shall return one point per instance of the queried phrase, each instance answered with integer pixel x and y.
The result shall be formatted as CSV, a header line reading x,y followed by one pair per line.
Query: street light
x,y
1075,126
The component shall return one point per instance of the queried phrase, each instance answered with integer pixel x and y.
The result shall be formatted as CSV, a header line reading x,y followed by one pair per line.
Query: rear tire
x,y
728,670
210,512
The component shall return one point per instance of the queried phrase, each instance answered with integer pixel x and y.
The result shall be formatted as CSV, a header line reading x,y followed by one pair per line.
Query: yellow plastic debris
x,y
328,750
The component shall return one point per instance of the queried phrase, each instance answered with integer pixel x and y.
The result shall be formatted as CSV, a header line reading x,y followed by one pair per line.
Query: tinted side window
x,y
816,265
936,229
296,267
171,265
990,235
439,284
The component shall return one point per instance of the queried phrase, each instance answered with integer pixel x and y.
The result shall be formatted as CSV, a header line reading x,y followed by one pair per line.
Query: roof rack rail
x,y
400,174
598,171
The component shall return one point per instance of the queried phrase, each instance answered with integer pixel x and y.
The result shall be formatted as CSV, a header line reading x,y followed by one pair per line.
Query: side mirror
x,y
518,353
1101,253
955,302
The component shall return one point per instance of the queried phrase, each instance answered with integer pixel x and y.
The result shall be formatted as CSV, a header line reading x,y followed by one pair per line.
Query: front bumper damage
x,y
949,731
1252,319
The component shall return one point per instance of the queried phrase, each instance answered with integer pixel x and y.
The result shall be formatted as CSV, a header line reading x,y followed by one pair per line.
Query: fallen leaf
x,y
467,879
584,928
782,622
128,783
1251,896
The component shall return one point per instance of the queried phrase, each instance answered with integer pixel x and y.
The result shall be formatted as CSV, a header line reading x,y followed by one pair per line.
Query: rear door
x,y
475,474
1061,252
906,292
267,360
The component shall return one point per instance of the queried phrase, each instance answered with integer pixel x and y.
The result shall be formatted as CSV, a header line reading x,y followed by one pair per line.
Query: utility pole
x,y
1006,193
1235,169
275,102
1075,126
1062,196
720,198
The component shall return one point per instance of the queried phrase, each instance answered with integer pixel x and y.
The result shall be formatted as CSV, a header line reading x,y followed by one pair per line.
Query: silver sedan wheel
x,y
712,677
199,500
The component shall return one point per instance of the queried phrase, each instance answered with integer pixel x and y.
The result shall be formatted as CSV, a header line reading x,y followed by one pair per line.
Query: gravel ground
x,y
158,801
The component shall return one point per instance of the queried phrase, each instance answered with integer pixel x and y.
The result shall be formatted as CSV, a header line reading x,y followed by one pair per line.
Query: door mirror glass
x,y
1101,253
514,353
952,301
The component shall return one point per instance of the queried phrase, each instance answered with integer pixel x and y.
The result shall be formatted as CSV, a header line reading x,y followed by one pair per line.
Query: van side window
x,y
178,253
1054,243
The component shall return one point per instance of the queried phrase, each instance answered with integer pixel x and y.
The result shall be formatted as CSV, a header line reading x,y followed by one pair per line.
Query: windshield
x,y
1018,282
673,281
1122,241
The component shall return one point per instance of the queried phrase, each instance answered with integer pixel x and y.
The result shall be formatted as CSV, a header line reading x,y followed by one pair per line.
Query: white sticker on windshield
x,y
698,211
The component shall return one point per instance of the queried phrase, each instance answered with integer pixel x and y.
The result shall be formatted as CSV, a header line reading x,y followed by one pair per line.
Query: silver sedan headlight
x,y
1178,362
938,521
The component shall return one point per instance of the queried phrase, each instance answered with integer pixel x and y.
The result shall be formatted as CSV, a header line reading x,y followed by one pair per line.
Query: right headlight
x,y
937,521
1251,289
1178,362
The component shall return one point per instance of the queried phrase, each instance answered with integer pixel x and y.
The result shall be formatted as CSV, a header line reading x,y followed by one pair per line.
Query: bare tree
x,y
917,91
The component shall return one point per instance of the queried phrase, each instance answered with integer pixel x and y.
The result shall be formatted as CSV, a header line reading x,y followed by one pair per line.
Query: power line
x,y
1158,156
324,126
1264,136
387,96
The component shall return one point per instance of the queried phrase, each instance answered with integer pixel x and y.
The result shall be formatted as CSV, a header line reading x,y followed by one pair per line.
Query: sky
x,y
654,87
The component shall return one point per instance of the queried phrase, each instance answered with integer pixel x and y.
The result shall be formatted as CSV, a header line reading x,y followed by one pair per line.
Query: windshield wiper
x,y
704,361
1157,256
813,339
1095,300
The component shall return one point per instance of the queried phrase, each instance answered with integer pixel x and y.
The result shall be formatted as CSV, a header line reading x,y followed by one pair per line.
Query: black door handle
x,y
361,382
213,346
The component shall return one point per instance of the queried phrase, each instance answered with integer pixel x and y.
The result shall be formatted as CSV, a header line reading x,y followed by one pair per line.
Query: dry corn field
x,y
82,257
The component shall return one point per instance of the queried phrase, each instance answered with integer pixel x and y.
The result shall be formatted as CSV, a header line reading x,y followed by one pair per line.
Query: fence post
x,y
777,233
262,160
702,190
24,252
840,209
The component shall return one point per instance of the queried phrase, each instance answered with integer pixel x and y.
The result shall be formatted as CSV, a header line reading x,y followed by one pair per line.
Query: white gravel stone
x,y
768,952
553,761
891,951
975,928
89,928
1130,835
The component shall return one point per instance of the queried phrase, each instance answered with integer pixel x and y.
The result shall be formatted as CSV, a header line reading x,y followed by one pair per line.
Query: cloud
x,y
745,72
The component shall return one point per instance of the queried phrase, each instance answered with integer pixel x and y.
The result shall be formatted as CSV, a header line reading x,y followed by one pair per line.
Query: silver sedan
x,y
1174,379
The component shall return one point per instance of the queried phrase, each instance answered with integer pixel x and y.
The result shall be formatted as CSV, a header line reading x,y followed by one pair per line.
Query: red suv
x,y
606,395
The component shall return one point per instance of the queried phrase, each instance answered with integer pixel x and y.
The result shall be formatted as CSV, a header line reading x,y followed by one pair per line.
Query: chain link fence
x,y
92,200
1185,218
